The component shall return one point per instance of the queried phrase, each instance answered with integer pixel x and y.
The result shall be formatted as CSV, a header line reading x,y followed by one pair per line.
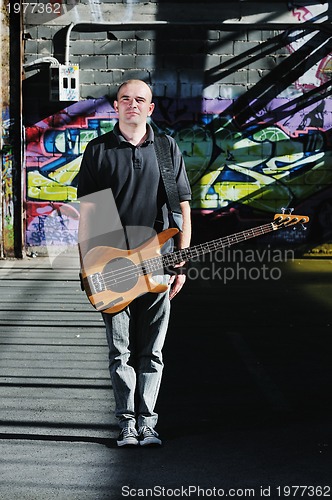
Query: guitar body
x,y
113,278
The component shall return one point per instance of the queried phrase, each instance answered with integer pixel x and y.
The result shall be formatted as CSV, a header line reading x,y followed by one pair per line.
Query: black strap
x,y
163,152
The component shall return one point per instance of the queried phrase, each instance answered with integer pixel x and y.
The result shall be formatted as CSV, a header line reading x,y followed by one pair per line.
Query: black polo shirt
x,y
133,176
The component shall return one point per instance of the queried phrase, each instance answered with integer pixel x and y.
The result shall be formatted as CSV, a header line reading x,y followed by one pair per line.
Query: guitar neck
x,y
189,253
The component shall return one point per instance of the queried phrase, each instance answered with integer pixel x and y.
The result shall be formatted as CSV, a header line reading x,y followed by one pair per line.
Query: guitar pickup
x,y
100,306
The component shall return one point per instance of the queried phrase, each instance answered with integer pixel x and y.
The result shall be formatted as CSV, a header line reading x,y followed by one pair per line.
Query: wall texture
x,y
6,194
243,87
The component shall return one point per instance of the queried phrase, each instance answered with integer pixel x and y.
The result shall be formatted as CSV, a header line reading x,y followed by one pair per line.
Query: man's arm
x,y
177,281
185,235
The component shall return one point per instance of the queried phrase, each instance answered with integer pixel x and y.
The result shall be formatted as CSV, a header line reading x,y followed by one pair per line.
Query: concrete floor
x,y
245,404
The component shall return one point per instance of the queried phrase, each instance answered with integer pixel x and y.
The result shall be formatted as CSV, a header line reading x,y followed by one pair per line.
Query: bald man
x,y
124,161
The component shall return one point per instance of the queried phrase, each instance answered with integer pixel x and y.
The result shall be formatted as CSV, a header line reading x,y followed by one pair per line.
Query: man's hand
x,y
177,280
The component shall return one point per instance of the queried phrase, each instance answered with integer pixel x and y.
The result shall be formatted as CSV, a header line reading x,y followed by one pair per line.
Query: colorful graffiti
x,y
261,167
268,148
7,206
54,150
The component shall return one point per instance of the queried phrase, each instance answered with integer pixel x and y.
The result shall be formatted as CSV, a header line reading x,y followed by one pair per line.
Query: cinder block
x,y
93,91
30,32
256,36
87,77
93,62
211,92
106,47
45,47
159,89
129,47
223,47
118,75
146,62
121,62
30,47
144,47
264,63
90,35
254,76
197,89
125,35
243,47
231,91
213,35
78,47
172,91
212,61
44,32
191,75
185,91
164,75
112,47
103,77
147,34
137,74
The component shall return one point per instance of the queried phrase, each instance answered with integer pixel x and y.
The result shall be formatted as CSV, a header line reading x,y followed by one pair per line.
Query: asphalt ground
x,y
245,402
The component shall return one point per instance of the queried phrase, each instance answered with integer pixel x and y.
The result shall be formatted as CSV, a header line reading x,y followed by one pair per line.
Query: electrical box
x,y
64,82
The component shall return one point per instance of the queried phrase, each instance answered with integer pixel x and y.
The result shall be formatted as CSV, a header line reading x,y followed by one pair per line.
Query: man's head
x,y
134,102
133,81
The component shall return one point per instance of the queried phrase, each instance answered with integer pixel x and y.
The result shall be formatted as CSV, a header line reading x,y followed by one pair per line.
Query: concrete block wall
x,y
171,45
176,61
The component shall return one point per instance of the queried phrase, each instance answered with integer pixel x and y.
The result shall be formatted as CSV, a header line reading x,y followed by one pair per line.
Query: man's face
x,y
133,103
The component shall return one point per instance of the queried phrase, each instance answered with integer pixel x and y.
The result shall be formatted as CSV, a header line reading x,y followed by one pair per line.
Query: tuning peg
x,y
288,210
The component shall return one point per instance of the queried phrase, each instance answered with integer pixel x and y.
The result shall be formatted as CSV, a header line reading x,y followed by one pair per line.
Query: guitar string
x,y
153,264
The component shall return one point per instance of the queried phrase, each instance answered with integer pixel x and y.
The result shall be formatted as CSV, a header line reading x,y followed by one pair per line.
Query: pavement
x,y
245,403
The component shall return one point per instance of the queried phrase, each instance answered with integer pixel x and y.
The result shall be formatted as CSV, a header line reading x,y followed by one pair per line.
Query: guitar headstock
x,y
286,220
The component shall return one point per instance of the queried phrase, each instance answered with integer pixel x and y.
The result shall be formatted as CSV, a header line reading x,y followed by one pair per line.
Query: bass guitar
x,y
112,278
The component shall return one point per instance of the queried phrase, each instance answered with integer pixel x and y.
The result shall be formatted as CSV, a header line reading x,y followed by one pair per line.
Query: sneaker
x,y
128,437
148,436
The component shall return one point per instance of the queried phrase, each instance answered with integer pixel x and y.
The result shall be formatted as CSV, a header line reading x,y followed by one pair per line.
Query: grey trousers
x,y
135,338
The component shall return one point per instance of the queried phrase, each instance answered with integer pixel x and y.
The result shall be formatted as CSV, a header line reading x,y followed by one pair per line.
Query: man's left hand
x,y
177,281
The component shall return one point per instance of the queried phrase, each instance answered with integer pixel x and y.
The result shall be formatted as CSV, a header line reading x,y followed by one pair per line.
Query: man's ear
x,y
115,105
151,108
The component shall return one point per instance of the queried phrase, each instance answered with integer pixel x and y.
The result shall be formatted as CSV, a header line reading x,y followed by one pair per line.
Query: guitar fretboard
x,y
185,254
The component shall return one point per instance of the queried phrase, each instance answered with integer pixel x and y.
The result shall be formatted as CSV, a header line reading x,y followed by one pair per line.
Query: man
x,y
125,161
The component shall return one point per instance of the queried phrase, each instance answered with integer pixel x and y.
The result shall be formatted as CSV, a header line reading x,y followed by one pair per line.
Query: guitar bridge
x,y
96,283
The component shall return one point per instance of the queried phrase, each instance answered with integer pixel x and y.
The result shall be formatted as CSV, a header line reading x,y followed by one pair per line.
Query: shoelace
x,y
128,431
147,431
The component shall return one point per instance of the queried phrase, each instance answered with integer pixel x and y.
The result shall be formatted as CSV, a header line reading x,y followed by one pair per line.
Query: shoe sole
x,y
150,442
132,442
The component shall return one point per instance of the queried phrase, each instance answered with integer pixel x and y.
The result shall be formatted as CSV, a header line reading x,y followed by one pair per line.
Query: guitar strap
x,y
163,153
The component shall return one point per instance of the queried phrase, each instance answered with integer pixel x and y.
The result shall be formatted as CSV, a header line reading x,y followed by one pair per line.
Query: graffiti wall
x,y
254,170
6,156
54,150
247,153
7,206
7,202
